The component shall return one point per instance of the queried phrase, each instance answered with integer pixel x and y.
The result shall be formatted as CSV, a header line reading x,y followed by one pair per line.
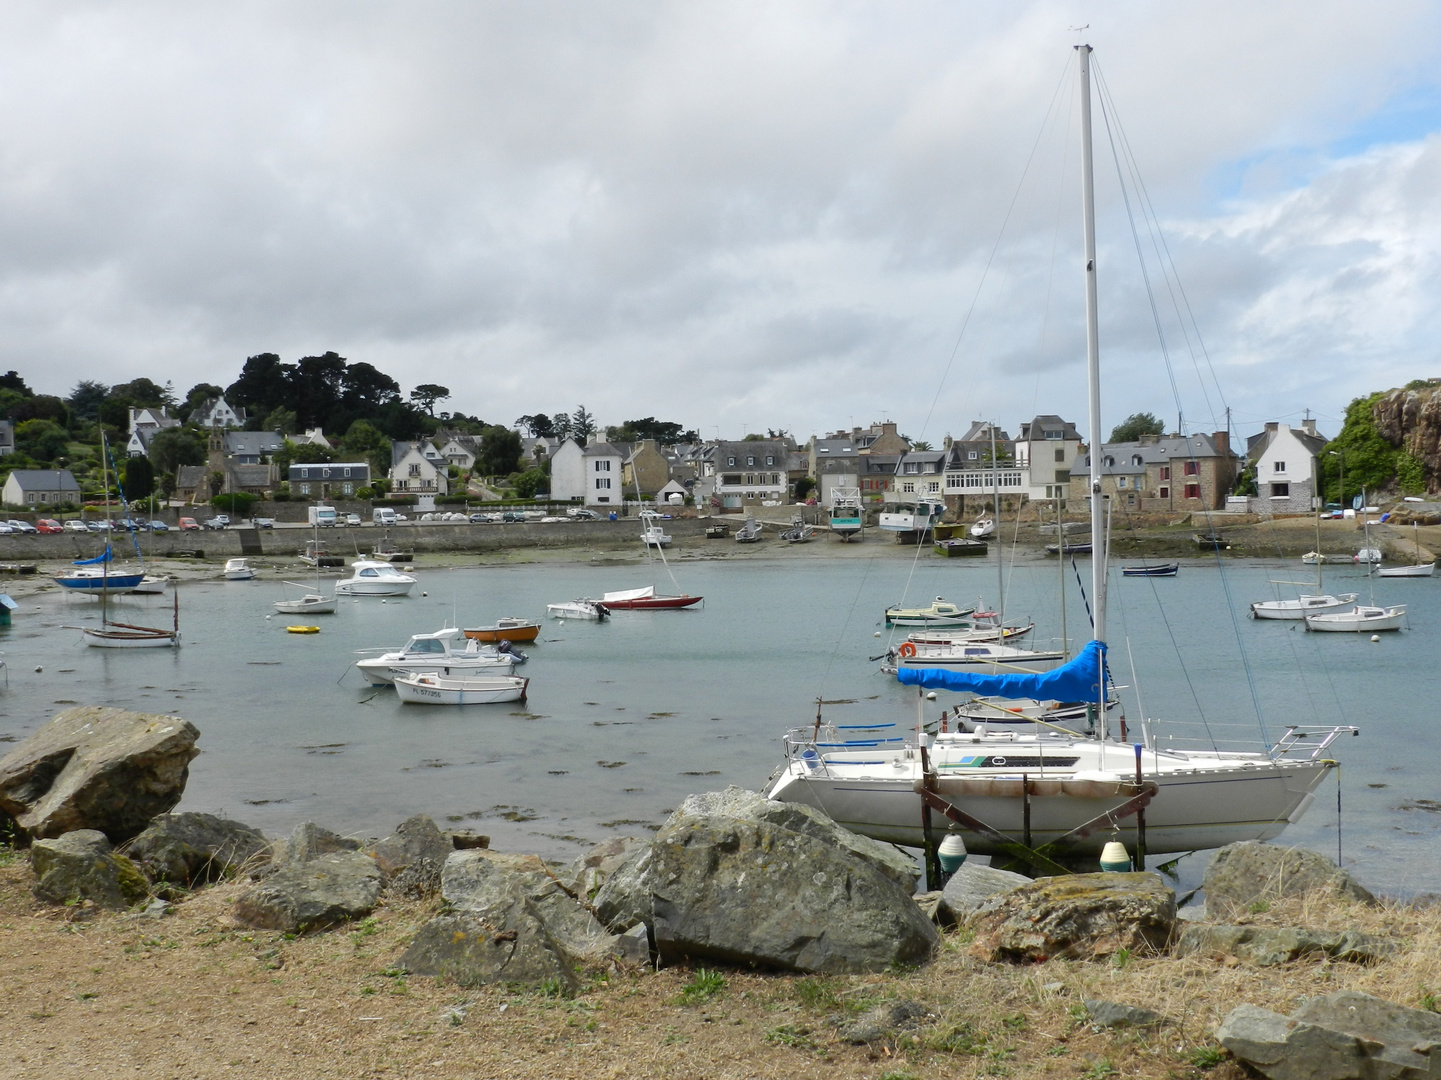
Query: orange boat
x,y
511,629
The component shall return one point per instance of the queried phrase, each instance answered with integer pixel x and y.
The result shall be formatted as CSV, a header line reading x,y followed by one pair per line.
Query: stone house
x,y
646,468
1286,460
1045,450
328,479
1163,472
919,474
876,476
40,487
222,474
749,474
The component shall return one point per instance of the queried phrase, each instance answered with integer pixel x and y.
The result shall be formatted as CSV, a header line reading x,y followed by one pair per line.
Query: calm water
x,y
627,717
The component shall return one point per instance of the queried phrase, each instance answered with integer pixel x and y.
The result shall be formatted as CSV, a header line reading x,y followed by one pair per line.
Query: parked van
x,y
384,515
322,516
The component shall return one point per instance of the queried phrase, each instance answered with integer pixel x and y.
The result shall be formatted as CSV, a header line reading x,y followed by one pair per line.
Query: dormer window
x,y
1136,459
750,460
972,455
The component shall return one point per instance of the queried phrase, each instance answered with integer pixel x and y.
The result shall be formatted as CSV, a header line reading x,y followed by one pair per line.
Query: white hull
x,y
1204,800
1364,620
371,578
983,528
306,605
1424,570
430,689
150,585
986,658
130,639
576,609
1302,607
383,669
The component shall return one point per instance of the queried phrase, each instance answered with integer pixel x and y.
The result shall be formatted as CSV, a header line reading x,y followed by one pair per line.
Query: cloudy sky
x,y
734,215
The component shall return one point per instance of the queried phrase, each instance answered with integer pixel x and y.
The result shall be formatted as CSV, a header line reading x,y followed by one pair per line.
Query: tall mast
x,y
996,535
1093,351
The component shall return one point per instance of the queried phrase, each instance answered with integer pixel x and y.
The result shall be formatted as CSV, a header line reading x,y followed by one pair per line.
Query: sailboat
x,y
1051,800
309,603
1307,604
1417,569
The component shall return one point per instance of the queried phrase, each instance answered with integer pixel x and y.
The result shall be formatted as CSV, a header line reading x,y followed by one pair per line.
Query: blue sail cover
x,y
1077,680
103,557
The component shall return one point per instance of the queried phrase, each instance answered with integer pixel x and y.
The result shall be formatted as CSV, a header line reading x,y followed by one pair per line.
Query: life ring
x,y
907,649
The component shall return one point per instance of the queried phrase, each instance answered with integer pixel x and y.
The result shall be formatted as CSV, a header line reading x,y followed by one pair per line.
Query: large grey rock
x,y
1242,874
1267,946
755,893
308,841
410,859
1076,917
593,869
312,895
193,849
623,901
971,886
1112,1014
97,768
1337,1037
81,866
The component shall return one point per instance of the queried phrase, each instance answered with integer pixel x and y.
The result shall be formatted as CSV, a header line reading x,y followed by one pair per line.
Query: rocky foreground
x,y
746,938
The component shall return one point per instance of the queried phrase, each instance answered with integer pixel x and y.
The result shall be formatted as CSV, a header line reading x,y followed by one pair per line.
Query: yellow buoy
x,y
302,629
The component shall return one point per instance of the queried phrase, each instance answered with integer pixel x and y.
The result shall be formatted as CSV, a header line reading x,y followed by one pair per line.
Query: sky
x,y
736,216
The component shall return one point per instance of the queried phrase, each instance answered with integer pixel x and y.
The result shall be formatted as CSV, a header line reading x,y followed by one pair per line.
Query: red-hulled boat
x,y
646,600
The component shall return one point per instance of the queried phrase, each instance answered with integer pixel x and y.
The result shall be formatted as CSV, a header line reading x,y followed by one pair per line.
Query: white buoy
x,y
876,634
425,594
931,696
951,852
1375,637
1114,859
39,669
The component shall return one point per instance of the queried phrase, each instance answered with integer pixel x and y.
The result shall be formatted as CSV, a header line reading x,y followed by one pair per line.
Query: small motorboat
x,y
1302,607
1168,569
302,629
748,533
799,532
431,688
651,533
238,570
1368,555
989,657
984,626
1364,620
646,600
444,652
1312,558
577,609
511,628
940,613
983,528
372,578
1068,549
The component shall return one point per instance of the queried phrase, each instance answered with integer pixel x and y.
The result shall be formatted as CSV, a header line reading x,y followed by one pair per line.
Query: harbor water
x,y
627,717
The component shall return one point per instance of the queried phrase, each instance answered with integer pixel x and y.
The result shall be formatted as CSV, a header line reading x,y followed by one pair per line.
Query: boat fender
x,y
907,649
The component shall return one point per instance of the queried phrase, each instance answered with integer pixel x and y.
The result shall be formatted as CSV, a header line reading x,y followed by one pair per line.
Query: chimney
x,y
1308,426
1272,426
1222,439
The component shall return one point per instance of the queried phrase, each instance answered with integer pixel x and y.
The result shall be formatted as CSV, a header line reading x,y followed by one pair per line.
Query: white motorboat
x,y
652,534
846,519
983,528
918,518
800,531
238,570
1366,619
1368,555
309,604
983,626
431,688
1011,793
987,656
1302,607
370,577
940,613
577,609
444,652
749,533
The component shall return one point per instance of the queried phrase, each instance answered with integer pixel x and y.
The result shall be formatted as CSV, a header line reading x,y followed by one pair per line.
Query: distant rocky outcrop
x,y
1410,419
97,768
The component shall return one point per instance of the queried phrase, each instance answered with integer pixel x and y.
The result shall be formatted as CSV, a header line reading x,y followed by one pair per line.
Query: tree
x,y
364,441
666,433
531,483
41,440
538,424
427,394
41,407
11,380
582,424
85,399
139,478
171,448
804,486
1134,426
198,395
143,391
920,444
280,420
263,385
1369,461
499,452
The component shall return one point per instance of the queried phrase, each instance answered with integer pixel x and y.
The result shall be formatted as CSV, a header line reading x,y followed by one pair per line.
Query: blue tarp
x,y
1078,680
104,556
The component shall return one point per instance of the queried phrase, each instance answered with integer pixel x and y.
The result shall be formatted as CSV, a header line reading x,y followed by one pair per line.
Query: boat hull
x,y
1300,608
522,630
1364,620
1424,570
654,603
374,588
1164,570
577,610
978,657
130,639
150,585
100,585
382,671
318,605
431,690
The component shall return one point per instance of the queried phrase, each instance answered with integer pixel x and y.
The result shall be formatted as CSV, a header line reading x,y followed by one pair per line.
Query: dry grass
x,y
193,995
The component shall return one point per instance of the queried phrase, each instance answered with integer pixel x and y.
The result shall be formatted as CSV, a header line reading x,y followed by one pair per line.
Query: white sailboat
x,y
1306,604
1417,569
1010,793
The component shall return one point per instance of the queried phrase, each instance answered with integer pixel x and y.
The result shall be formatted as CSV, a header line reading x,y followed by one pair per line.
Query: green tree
x,y
1134,426
139,478
365,442
1368,459
85,399
11,380
171,448
40,407
531,483
281,420
235,503
538,424
804,486
582,424
41,440
427,394
499,452
664,432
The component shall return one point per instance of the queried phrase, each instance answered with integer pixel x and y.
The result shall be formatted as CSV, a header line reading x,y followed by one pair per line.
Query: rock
x,y
410,859
308,841
1267,946
483,882
1110,1014
510,947
1076,917
80,866
1242,874
593,869
312,895
1342,1035
157,909
884,1022
634,945
930,904
97,768
971,886
194,849
624,900
465,839
755,893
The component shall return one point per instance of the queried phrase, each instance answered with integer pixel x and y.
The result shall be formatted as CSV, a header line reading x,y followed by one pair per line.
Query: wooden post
x,y
1140,819
933,856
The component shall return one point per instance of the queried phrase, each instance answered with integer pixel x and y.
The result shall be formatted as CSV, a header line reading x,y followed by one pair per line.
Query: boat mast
x,y
996,537
1093,352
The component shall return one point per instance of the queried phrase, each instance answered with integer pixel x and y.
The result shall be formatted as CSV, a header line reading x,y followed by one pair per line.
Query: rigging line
x,y
1143,193
1061,191
1000,236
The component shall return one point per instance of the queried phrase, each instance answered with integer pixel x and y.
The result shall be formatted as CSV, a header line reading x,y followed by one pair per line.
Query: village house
x,y
145,422
749,474
1286,464
1044,451
221,474
216,412
311,437
1162,472
40,487
252,447
590,474
646,468
414,471
971,483
833,463
328,479
876,476
458,450
919,474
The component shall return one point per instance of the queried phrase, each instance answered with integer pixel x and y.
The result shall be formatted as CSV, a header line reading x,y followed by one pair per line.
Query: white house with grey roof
x,y
40,487
1287,472
145,422
414,471
590,474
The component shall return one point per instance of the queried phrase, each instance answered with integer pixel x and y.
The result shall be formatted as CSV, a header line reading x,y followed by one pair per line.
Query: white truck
x,y
384,515
322,516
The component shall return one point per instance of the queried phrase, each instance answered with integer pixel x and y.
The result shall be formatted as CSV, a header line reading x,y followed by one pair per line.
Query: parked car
x,y
49,525
580,513
97,526
512,515
189,525
5,529
132,525
76,525
478,518
159,526
214,523
264,523
352,519
224,519
19,526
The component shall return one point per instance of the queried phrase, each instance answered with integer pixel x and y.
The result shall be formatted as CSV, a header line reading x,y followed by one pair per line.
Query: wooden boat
x,y
430,688
302,629
113,635
238,570
316,555
940,613
577,609
646,600
1212,541
1418,570
1068,549
963,548
1364,620
1169,569
511,628
385,551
